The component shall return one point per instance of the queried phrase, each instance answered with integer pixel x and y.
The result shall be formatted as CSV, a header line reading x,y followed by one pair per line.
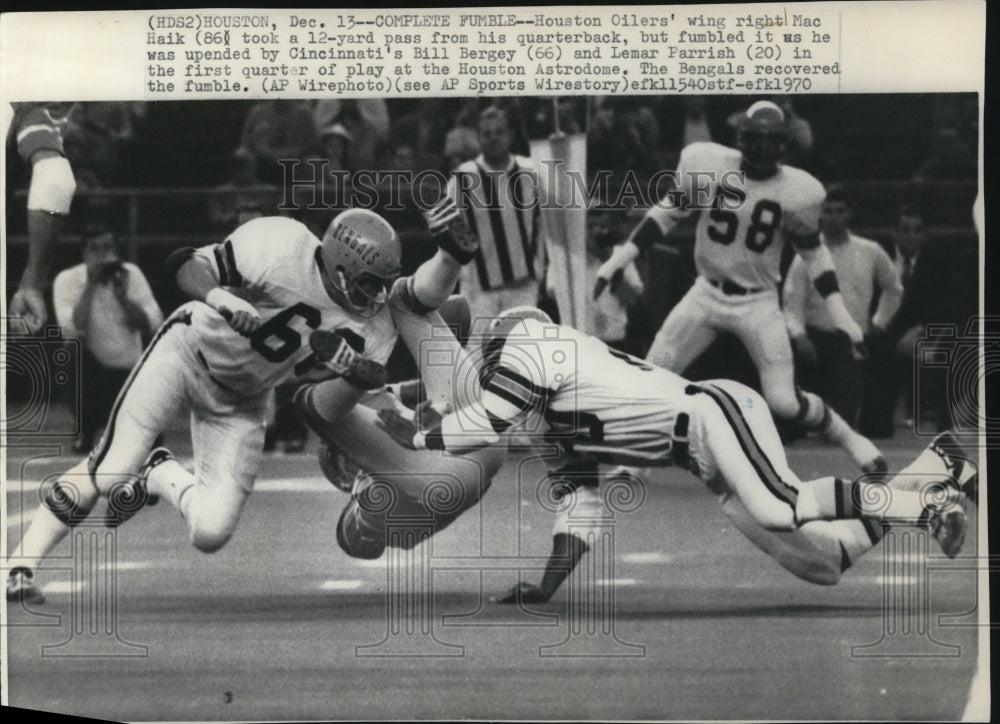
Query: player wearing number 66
x,y
270,303
750,205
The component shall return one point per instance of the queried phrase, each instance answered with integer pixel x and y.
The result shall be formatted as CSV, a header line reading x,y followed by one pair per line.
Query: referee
x,y
501,193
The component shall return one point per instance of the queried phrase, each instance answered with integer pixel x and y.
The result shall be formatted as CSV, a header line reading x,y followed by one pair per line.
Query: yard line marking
x,y
616,581
647,557
341,585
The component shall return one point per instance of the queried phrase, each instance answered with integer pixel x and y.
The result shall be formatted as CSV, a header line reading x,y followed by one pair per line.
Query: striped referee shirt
x,y
502,208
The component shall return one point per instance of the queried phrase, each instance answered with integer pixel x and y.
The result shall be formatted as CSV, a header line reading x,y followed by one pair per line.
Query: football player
x,y
270,302
605,406
750,205
388,483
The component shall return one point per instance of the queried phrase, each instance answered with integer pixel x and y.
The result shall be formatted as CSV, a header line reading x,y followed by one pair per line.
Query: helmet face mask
x,y
762,138
362,257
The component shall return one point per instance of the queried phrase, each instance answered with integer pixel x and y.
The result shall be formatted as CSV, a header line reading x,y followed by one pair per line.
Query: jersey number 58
x,y
764,221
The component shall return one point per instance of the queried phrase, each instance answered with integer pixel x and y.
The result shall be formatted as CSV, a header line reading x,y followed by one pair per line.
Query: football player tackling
x,y
739,239
270,303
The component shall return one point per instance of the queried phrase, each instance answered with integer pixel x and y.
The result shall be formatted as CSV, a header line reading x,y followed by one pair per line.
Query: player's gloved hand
x,y
333,351
450,231
805,350
28,306
398,427
523,592
240,314
613,281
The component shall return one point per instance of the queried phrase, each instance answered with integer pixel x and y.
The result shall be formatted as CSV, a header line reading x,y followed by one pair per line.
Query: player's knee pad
x,y
52,186
69,502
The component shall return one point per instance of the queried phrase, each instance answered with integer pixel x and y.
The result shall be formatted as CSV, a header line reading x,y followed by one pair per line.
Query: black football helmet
x,y
762,136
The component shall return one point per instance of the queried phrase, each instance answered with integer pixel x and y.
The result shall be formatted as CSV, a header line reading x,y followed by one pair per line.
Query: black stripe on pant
x,y
99,453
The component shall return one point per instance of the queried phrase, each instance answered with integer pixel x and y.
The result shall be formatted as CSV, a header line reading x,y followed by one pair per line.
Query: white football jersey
x,y
742,239
594,400
274,264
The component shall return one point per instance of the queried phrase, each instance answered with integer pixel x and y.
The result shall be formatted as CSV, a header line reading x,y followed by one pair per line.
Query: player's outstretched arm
x,y
49,197
654,227
819,264
196,278
434,280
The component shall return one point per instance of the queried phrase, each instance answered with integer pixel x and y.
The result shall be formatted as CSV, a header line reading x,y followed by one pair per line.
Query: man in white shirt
x,y
107,304
824,355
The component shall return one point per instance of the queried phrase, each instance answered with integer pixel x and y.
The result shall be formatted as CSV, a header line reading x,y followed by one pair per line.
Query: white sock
x,y
171,481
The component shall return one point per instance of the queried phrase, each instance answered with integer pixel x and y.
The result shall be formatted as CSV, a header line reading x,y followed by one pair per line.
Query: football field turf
x,y
681,616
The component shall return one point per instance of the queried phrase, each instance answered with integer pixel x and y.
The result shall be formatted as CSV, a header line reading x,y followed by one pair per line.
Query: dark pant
x,y
99,388
837,376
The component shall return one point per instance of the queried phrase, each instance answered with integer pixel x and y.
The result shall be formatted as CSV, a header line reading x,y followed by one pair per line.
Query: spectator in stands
x,y
927,288
624,137
106,303
276,130
826,362
404,158
242,197
334,149
950,159
460,145
97,135
366,120
509,265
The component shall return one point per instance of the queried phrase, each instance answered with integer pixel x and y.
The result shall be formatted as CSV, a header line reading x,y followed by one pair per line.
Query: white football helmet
x,y
362,257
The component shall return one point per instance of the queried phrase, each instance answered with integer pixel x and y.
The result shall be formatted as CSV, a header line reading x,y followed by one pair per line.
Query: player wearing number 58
x,y
749,205
270,303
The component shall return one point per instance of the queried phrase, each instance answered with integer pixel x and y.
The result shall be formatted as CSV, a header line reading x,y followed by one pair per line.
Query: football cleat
x,y
357,539
128,497
964,473
337,468
335,351
948,525
523,592
450,230
21,586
